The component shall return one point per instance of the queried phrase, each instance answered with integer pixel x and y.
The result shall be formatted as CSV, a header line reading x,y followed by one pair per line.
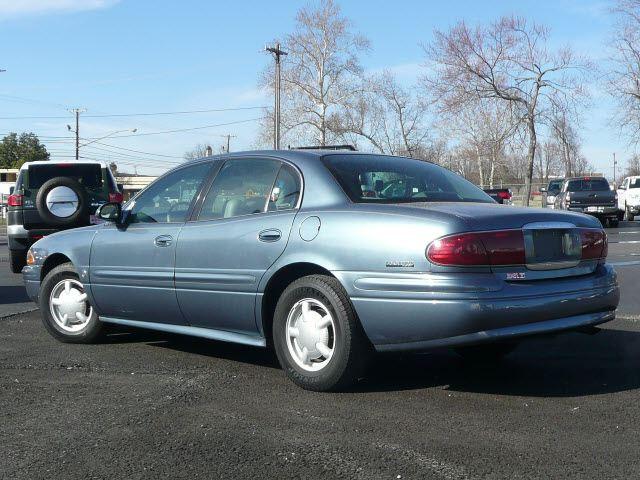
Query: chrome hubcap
x,y
69,306
62,201
311,334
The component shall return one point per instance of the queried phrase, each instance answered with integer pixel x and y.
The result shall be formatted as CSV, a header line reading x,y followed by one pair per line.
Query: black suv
x,y
50,196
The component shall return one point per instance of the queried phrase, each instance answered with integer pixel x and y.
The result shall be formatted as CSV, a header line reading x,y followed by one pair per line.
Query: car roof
x,y
26,165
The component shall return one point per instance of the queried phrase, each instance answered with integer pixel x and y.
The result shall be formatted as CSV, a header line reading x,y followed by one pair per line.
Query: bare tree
x,y
389,116
563,129
633,166
199,151
624,77
507,60
485,126
320,74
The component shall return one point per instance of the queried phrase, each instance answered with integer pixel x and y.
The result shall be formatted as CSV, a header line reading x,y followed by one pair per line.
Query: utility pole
x,y
277,53
614,169
77,112
228,136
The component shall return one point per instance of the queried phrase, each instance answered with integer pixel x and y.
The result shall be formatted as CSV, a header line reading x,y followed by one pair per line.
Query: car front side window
x,y
242,187
169,198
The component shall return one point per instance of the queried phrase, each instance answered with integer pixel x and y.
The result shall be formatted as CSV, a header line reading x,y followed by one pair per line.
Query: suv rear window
x,y
385,179
88,175
588,185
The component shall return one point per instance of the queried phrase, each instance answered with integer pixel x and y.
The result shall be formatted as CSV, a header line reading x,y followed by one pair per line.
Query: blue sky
x,y
129,56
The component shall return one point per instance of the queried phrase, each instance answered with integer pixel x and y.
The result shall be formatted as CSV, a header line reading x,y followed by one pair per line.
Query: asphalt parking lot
x,y
146,405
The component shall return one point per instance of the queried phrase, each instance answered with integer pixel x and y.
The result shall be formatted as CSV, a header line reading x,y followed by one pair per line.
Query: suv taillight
x,y
14,200
115,197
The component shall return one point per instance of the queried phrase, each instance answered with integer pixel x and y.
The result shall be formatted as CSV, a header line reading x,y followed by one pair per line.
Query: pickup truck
x,y
590,195
629,197
500,195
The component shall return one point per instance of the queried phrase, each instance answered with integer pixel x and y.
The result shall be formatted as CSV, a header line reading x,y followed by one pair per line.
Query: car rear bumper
x,y
401,315
602,211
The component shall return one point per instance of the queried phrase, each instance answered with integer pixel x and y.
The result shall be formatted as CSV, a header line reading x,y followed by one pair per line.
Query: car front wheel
x,y
66,312
317,336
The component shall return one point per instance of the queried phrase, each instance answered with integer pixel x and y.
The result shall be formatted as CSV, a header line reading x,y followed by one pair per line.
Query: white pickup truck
x,y
629,197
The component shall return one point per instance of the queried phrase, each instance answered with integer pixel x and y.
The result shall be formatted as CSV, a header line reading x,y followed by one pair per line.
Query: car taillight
x,y
115,197
504,195
594,244
503,247
14,200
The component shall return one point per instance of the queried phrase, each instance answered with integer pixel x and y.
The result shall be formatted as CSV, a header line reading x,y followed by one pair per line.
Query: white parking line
x,y
627,241
625,264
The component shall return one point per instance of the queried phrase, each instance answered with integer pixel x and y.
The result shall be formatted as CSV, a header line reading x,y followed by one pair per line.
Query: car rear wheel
x,y
17,260
317,335
66,312
486,353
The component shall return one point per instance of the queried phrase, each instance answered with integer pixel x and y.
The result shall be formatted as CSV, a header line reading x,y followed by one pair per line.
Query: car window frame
x,y
132,201
195,217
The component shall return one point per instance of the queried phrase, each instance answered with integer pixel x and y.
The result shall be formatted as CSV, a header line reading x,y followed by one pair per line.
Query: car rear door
x,y
132,267
241,230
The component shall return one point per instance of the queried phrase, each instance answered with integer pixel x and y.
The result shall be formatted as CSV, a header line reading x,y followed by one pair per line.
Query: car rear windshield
x,y
88,175
588,185
554,186
385,179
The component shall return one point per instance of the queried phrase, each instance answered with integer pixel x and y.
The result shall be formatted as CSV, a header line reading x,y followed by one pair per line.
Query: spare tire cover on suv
x,y
63,201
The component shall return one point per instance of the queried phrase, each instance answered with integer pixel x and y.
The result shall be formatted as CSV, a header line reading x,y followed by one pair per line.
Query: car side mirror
x,y
543,190
110,212
622,187
11,190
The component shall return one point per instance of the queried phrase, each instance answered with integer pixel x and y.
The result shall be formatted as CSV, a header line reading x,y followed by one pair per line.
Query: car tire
x,y
628,216
342,358
79,217
614,222
486,353
62,293
17,260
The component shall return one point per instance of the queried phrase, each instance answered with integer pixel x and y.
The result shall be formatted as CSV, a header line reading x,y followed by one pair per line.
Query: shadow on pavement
x,y
565,365
13,294
260,357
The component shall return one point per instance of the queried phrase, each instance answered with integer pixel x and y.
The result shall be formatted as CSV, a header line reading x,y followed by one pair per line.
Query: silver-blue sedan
x,y
326,256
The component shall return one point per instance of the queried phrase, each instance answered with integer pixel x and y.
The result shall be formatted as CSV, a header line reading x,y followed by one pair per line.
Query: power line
x,y
139,114
163,132
137,151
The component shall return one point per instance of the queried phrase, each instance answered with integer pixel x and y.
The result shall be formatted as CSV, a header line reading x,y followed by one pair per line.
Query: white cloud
x,y
17,8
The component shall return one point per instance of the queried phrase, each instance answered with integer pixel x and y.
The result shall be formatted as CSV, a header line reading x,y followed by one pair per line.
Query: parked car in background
x,y
500,195
310,252
629,197
590,195
49,197
550,193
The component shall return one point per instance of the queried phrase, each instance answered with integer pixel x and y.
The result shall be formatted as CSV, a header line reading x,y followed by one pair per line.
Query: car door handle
x,y
270,235
163,241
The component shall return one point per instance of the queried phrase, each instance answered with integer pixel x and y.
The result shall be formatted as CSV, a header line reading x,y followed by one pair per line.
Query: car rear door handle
x,y
270,235
163,241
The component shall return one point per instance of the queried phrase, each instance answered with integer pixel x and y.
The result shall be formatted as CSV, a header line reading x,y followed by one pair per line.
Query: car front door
x,y
241,230
132,266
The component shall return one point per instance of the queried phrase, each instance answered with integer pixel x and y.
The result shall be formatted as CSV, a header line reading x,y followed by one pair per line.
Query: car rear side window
x,y
242,187
286,190
634,183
